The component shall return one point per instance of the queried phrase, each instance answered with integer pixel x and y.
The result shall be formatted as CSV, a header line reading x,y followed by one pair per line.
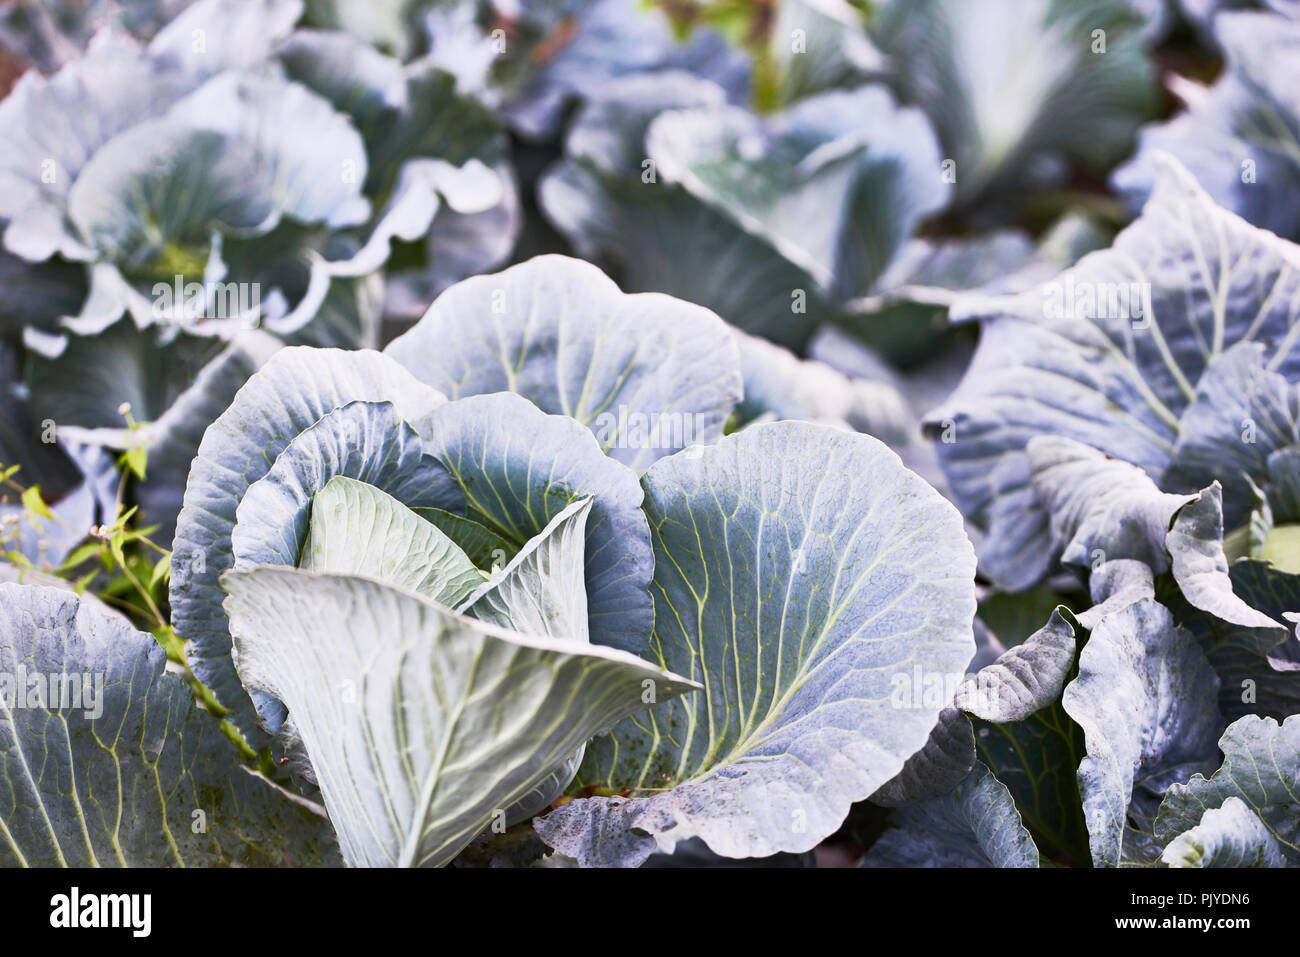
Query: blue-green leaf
x,y
1241,136
108,761
647,373
977,825
1231,835
1261,767
1145,698
421,726
795,595
836,184
1015,87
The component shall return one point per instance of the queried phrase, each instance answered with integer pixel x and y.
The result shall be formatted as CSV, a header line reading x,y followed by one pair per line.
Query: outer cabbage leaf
x,y
977,825
1038,755
1242,414
1104,510
630,225
1011,686
1261,767
1100,509
783,587
1013,702
935,770
561,334
1200,564
1114,585
1037,759
131,773
1145,698
673,168
1024,679
1259,667
836,183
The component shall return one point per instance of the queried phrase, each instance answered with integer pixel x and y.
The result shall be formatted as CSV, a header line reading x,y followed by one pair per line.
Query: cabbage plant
x,y
307,155
1166,352
810,214
529,60
906,475
822,195
1239,136
312,151
279,213
1069,86
1142,406
532,492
